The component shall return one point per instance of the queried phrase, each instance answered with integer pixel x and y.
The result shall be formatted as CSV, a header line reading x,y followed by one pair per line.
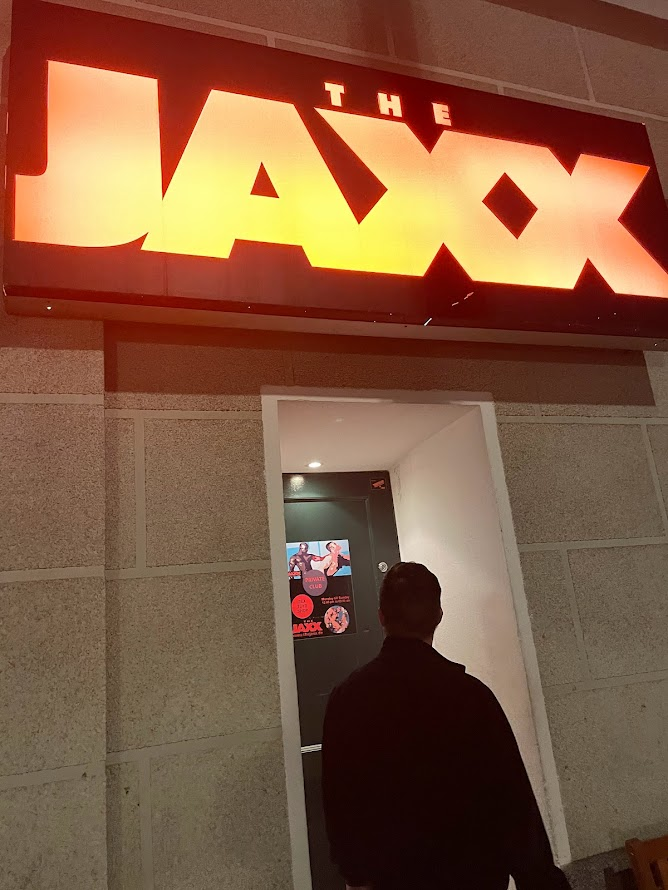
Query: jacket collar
x,y
411,647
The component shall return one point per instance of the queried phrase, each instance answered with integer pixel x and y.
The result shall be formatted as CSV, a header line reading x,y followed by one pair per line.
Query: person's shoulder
x,y
357,682
479,690
456,676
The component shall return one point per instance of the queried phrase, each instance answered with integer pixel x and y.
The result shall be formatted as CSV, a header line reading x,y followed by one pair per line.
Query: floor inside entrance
x,y
447,517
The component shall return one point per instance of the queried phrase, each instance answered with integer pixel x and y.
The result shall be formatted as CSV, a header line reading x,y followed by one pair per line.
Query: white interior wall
x,y
447,518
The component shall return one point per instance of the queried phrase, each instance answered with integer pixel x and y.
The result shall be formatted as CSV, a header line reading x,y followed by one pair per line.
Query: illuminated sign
x,y
189,170
103,187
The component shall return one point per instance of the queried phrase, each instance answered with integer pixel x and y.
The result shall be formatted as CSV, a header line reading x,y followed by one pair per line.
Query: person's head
x,y
410,601
303,547
333,547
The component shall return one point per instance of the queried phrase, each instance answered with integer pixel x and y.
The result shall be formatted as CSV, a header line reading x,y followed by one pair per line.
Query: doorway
x,y
341,538
439,462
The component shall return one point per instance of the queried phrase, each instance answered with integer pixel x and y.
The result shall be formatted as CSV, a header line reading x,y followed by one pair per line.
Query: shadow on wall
x,y
394,16
207,361
600,16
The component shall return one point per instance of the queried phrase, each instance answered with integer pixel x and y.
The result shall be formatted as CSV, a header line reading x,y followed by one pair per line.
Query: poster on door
x,y
321,589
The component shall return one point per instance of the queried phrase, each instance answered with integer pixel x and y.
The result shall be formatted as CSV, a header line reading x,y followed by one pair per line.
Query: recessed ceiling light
x,y
314,465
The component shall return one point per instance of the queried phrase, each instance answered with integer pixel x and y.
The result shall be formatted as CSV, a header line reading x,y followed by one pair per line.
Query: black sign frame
x,y
272,280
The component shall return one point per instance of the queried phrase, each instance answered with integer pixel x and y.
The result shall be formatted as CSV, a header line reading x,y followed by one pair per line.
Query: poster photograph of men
x,y
321,588
337,619
329,557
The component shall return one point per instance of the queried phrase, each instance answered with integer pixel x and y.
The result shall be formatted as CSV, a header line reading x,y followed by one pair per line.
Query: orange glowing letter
x,y
336,91
102,184
402,233
209,204
442,114
604,190
577,216
390,105
437,198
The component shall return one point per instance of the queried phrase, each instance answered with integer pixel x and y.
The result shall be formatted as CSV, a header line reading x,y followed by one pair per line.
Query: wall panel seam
x,y
212,568
50,398
598,683
583,62
48,776
362,54
139,756
193,746
655,477
389,34
600,420
601,544
51,574
179,414
140,493
575,617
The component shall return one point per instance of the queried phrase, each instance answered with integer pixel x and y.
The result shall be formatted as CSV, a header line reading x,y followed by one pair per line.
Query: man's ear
x,y
381,617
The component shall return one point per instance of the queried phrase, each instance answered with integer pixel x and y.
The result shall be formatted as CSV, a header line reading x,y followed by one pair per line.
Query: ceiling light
x,y
314,465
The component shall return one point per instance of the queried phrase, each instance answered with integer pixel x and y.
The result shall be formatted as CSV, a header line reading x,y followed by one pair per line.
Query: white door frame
x,y
284,641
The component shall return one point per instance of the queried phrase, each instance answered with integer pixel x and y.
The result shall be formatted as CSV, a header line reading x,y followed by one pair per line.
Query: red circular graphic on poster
x,y
337,619
314,582
302,606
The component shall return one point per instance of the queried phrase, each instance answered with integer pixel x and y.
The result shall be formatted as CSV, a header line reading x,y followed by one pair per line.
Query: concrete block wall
x,y
135,607
193,709
159,667
193,703
53,810
585,486
591,523
52,606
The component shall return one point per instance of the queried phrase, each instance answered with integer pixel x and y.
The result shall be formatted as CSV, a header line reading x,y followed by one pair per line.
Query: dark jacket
x,y
423,784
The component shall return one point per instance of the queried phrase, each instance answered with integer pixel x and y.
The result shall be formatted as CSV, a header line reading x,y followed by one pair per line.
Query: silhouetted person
x,y
423,783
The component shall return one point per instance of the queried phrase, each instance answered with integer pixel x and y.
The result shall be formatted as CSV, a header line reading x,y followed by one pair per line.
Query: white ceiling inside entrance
x,y
350,436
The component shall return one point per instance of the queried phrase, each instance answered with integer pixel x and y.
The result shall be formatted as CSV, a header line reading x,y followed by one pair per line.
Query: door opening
x,y
341,535
395,480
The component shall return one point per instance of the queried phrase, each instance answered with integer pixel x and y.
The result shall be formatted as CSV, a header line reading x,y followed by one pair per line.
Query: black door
x,y
341,535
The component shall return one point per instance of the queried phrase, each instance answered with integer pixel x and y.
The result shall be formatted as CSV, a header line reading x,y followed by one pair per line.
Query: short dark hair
x,y
410,600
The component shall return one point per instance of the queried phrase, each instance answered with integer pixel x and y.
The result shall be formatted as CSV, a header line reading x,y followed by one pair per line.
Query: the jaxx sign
x,y
406,185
